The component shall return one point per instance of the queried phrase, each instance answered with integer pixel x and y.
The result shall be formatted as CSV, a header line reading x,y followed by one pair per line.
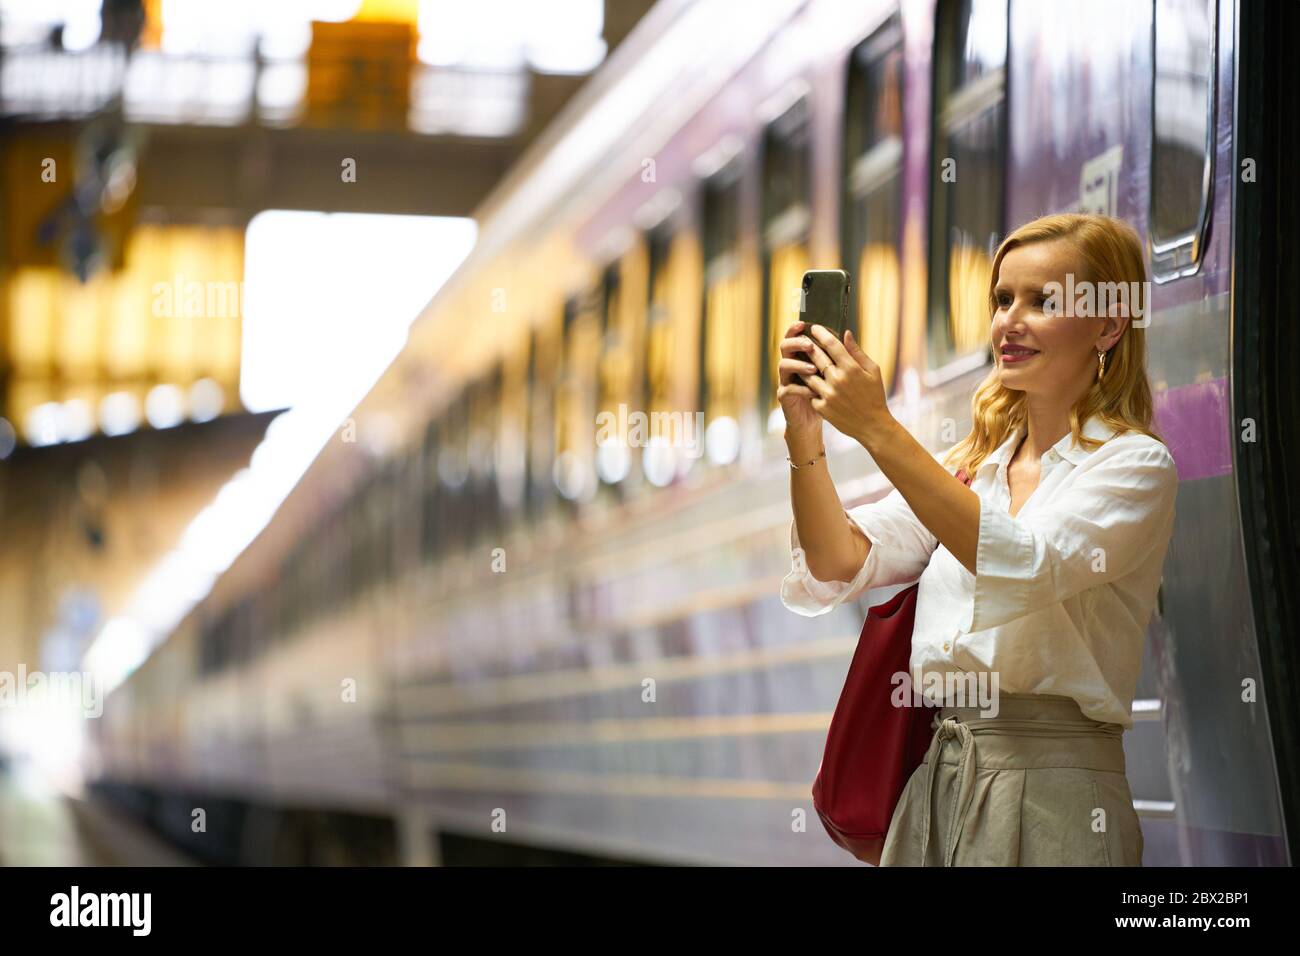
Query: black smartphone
x,y
824,301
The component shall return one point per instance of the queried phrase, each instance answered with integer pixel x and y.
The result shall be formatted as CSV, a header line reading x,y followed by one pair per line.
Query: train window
x,y
241,645
659,329
723,337
369,518
212,646
575,399
385,525
567,406
208,640
609,296
280,609
413,505
475,459
332,540
357,558
357,541
613,457
966,192
373,524
207,629
302,582
216,637
873,155
485,409
283,612
429,506
511,441
453,471
402,508
344,546
288,585
445,497
542,365
660,373
787,195
304,569
394,501
1182,144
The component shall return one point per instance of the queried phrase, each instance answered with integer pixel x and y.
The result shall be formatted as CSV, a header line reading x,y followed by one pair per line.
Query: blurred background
x,y
214,214
390,470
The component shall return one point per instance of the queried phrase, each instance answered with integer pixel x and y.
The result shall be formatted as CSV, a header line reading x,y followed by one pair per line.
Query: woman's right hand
x,y
796,399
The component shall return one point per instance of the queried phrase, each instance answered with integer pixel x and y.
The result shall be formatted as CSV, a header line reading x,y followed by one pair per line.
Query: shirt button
x,y
947,647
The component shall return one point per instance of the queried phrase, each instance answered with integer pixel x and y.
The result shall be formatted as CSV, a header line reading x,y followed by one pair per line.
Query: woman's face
x,y
1064,347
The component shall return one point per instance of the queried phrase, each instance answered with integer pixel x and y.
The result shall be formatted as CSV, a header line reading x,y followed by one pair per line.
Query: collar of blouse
x,y
1094,427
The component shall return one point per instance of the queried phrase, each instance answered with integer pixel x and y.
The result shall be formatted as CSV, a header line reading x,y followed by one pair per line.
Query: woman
x,y
1040,576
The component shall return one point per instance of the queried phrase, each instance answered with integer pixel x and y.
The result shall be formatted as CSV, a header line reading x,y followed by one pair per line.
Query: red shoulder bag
x,y
872,747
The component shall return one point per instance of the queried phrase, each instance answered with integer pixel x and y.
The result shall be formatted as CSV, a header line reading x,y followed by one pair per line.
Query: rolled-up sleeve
x,y
900,550
1102,528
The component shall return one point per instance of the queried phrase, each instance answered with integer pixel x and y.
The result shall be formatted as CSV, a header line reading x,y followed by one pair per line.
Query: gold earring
x,y
1101,365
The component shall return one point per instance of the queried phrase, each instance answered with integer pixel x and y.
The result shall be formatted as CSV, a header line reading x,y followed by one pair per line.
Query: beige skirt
x,y
1040,784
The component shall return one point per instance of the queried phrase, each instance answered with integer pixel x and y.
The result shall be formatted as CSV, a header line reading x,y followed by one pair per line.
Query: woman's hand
x,y
850,393
796,399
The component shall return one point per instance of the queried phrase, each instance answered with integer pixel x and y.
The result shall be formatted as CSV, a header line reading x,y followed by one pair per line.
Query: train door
x,y
1204,677
1265,352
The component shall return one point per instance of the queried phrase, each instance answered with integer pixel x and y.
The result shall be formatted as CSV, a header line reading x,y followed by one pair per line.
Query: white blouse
x,y
1062,593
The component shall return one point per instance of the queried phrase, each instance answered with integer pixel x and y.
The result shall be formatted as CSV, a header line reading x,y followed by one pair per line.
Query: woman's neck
x,y
1046,425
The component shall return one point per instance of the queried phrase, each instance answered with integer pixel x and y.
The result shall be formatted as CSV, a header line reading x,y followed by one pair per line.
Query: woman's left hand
x,y
849,392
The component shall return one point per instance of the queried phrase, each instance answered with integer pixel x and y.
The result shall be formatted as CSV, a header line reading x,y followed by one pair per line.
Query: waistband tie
x,y
950,728
1031,731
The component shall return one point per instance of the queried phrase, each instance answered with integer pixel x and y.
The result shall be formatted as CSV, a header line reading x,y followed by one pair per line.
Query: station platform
x,y
40,825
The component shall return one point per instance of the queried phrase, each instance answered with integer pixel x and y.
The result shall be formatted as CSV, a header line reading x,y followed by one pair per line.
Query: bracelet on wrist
x,y
807,463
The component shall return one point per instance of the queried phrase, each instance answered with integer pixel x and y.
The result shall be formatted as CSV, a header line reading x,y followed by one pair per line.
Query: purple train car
x,y
631,687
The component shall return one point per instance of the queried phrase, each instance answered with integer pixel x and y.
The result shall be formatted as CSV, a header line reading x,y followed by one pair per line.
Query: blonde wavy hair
x,y
1111,252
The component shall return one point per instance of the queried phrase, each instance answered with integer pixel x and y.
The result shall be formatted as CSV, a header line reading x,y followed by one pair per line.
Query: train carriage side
x,y
756,730
1153,145
585,637
680,594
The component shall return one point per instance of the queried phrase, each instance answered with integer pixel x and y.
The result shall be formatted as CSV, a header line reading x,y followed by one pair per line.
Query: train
x,y
541,622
